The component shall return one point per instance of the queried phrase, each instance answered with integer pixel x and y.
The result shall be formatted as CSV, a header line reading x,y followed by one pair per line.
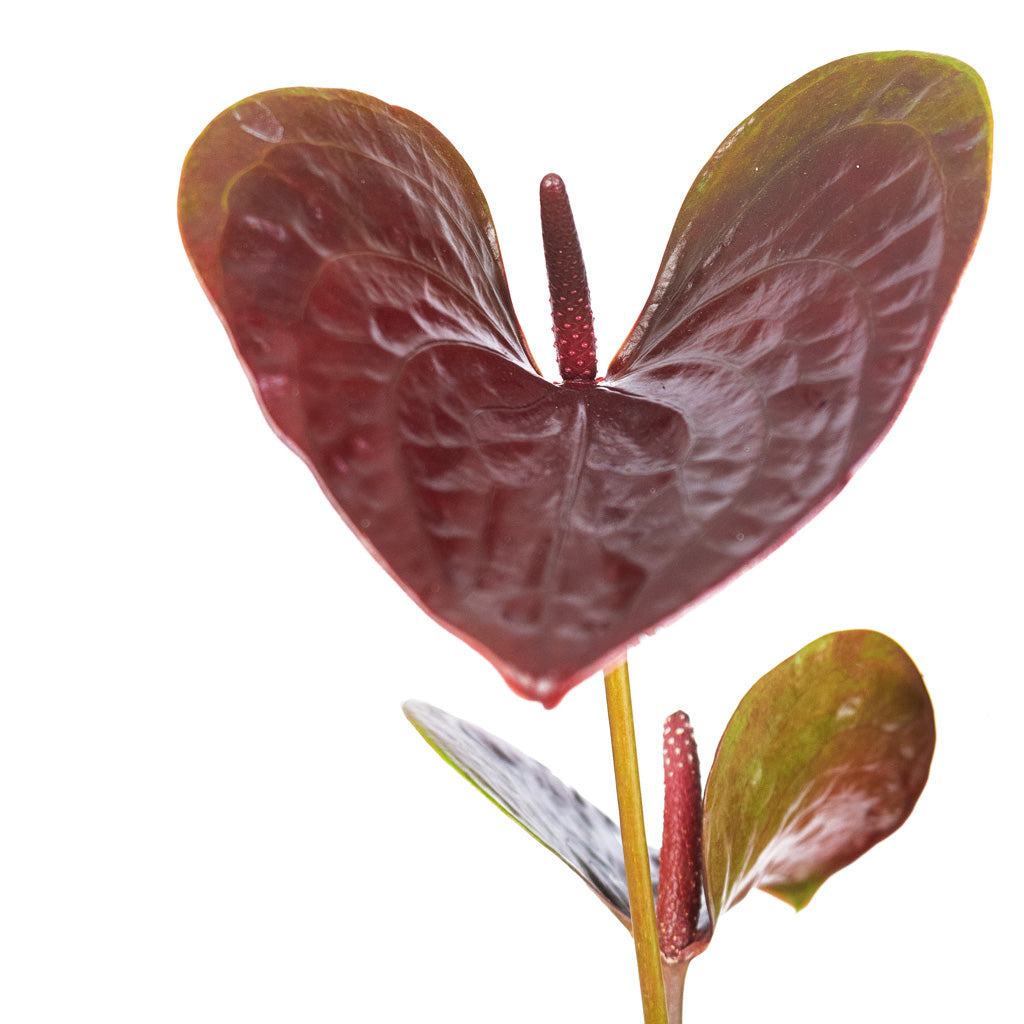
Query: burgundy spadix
x,y
571,315
683,925
350,253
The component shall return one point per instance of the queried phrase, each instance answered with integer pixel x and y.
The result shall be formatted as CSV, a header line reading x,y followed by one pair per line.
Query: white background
x,y
211,806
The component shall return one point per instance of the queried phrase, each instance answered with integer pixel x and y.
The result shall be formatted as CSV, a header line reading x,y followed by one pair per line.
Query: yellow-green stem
x,y
634,843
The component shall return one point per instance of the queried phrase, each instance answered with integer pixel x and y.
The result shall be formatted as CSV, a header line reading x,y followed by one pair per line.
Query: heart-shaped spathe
x,y
351,255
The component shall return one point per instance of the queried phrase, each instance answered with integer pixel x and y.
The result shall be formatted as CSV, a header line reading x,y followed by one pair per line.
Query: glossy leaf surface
x,y
825,756
583,837
352,258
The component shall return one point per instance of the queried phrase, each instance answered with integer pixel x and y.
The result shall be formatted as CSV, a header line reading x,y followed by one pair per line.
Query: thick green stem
x,y
634,843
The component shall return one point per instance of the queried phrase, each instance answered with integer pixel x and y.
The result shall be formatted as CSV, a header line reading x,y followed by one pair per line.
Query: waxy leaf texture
x,y
352,258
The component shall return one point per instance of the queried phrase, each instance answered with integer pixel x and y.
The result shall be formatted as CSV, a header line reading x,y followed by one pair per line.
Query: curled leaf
x,y
582,836
825,756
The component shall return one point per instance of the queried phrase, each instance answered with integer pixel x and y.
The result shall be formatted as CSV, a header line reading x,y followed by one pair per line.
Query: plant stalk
x,y
634,842
675,976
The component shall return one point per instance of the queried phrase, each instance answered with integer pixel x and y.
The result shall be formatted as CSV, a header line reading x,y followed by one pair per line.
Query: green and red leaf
x,y
825,756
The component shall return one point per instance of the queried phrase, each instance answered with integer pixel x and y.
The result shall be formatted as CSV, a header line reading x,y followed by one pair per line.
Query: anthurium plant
x,y
352,258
